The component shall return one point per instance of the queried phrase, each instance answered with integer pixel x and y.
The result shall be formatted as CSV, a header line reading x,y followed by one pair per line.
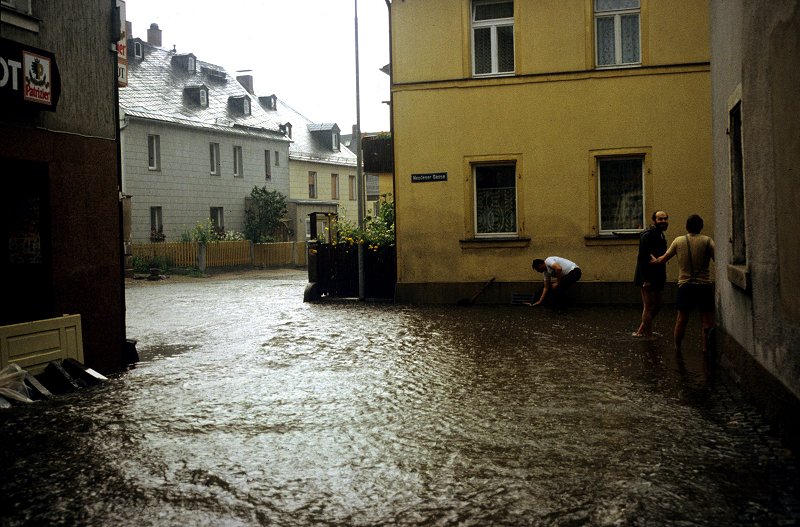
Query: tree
x,y
263,214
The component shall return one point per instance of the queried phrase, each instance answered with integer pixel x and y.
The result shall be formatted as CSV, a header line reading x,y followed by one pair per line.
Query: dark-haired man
x,y
565,272
651,278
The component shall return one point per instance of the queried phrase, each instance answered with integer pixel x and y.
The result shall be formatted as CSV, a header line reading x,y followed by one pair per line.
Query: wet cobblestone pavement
x,y
250,407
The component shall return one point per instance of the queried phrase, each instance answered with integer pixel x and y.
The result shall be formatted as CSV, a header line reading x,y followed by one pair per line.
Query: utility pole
x,y
359,171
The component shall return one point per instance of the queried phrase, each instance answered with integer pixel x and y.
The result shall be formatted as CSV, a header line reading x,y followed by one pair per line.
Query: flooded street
x,y
250,407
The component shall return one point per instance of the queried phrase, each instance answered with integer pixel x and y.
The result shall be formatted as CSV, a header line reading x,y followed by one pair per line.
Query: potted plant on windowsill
x,y
157,236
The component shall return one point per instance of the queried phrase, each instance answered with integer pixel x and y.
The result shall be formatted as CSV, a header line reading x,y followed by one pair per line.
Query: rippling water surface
x,y
250,407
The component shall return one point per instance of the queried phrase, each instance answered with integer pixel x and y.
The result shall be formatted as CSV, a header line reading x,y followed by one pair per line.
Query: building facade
x,y
322,170
61,251
195,143
756,137
530,129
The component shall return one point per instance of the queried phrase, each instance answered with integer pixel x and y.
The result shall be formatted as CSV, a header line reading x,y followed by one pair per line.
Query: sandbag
x,y
12,384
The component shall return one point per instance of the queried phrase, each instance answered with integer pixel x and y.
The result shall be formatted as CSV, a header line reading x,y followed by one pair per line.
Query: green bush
x,y
263,216
144,264
203,232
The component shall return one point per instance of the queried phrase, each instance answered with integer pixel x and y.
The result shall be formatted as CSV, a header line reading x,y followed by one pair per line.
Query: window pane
x,y
495,199
505,48
615,5
621,194
312,184
605,41
483,50
155,219
152,151
492,11
630,38
739,247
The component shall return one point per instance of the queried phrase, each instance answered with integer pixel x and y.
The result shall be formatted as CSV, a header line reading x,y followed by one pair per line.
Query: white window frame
x,y
190,64
616,14
246,106
492,24
138,50
313,189
203,98
20,14
214,161
217,217
512,233
642,221
335,186
335,141
156,219
238,161
153,152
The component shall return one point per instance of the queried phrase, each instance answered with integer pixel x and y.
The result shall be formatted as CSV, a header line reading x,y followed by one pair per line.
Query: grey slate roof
x,y
156,91
305,146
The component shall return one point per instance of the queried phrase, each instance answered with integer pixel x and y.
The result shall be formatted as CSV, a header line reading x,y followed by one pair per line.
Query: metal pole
x,y
359,171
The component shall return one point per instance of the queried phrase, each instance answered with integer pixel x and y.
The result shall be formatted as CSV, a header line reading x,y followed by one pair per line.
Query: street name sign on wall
x,y
425,178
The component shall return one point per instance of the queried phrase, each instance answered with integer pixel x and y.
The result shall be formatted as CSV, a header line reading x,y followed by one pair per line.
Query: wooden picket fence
x,y
224,254
278,254
177,253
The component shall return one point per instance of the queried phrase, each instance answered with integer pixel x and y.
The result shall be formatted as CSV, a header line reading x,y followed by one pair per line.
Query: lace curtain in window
x,y
495,199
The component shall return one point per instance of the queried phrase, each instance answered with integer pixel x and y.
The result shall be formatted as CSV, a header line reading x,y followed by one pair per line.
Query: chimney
x,y
154,35
128,29
247,82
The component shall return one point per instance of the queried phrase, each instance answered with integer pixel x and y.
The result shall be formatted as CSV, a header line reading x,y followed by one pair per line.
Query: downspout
x,y
391,134
115,20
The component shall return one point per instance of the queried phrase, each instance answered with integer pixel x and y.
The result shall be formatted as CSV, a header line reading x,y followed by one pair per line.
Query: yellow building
x,y
527,129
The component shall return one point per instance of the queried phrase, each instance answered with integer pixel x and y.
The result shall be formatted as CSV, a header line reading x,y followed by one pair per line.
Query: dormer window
x,y
196,95
214,74
326,135
270,102
286,129
138,50
239,105
185,62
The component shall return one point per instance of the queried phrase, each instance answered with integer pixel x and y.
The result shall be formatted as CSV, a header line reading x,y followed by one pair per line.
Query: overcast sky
x,y
303,51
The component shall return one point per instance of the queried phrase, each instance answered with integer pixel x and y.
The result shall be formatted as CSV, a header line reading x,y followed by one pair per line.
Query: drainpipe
x,y
116,19
391,134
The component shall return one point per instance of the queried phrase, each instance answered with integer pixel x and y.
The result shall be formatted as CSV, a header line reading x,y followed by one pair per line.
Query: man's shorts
x,y
691,296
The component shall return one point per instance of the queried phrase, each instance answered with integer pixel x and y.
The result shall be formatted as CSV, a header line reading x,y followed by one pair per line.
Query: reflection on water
x,y
252,408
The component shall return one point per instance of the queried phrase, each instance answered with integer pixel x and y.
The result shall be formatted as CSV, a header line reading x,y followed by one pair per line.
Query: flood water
x,y
250,407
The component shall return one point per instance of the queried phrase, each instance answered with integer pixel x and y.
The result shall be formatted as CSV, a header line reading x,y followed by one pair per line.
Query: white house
x,y
194,143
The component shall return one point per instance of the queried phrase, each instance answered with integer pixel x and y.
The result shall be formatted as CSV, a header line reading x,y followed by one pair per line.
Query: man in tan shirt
x,y
695,286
